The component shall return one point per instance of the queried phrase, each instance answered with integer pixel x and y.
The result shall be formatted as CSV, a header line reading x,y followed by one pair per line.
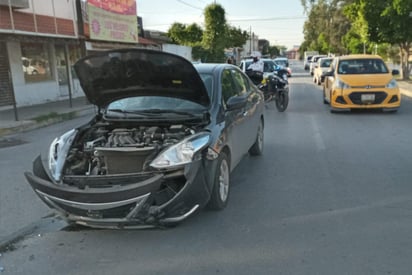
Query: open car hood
x,y
112,75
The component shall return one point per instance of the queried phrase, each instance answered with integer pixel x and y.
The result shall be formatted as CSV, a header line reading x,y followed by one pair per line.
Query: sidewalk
x,y
36,116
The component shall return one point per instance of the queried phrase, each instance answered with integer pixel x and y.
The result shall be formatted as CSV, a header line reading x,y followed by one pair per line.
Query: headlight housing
x,y
392,84
58,152
340,84
182,153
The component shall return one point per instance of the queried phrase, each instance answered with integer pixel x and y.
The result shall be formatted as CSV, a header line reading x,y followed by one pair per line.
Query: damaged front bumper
x,y
135,200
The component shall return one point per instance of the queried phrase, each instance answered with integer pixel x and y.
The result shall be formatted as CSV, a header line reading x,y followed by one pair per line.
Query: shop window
x,y
36,62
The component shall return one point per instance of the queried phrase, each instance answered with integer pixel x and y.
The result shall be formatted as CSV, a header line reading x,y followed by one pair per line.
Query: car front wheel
x,y
220,192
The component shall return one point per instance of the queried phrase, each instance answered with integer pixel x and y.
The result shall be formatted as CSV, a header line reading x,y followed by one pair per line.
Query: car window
x,y
325,62
208,81
228,86
362,66
241,83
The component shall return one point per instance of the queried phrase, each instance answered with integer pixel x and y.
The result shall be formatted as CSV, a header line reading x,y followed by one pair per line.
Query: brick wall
x,y
45,24
6,96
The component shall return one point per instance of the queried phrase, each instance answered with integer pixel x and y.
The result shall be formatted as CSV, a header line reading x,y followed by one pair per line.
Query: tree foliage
x,y
209,44
214,35
389,22
354,26
188,35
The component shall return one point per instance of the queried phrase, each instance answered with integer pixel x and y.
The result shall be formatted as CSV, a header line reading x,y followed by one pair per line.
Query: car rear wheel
x,y
257,147
324,96
220,192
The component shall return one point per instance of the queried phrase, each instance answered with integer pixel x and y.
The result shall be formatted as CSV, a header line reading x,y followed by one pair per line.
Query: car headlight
x,y
392,84
341,85
181,153
58,152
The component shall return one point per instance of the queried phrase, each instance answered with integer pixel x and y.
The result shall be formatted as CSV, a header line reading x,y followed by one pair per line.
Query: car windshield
x,y
149,103
281,62
362,66
268,65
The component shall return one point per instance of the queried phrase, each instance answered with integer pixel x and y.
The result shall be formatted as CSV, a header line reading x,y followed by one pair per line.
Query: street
x,y
331,194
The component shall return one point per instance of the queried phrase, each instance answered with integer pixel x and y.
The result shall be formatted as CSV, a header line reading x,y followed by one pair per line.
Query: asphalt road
x,y
332,194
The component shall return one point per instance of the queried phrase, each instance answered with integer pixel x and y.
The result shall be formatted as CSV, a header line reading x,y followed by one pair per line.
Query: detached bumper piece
x,y
143,201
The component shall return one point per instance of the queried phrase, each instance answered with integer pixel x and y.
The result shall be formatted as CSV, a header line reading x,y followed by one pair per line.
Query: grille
x,y
355,97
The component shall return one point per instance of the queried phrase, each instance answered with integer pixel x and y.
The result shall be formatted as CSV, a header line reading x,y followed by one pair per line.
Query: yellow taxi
x,y
361,82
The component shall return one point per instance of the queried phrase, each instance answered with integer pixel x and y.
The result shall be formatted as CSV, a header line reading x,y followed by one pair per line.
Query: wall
x,y
27,93
183,51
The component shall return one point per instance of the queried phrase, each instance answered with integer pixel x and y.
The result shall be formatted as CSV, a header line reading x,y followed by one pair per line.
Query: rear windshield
x,y
362,66
325,62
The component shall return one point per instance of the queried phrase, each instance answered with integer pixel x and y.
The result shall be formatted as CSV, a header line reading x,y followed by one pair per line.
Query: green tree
x,y
187,35
236,37
214,35
325,26
274,51
209,44
390,22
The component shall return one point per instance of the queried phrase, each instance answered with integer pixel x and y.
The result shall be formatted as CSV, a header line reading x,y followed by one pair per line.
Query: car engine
x,y
105,151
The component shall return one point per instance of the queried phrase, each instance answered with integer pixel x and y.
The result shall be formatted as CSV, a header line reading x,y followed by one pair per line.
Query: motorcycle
x,y
274,87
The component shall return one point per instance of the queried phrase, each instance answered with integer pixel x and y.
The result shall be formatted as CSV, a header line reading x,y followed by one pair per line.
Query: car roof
x,y
263,59
359,56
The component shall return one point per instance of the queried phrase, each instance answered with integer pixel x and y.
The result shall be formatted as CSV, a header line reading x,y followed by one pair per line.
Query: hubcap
x,y
224,180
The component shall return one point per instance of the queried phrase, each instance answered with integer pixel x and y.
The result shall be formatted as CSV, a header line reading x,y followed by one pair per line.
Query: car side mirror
x,y
236,102
395,72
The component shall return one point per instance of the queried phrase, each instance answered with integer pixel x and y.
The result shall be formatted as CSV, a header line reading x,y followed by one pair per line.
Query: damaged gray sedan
x,y
162,145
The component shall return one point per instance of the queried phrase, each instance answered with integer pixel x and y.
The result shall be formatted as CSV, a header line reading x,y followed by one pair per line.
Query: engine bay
x,y
105,149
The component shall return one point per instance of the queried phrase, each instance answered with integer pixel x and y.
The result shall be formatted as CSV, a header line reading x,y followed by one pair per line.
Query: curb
x,y
51,222
406,92
27,125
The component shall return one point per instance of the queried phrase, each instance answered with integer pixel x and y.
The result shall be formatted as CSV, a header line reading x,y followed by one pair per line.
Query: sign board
x,y
113,20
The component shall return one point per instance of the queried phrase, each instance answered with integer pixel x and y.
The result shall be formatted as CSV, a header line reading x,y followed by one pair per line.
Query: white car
x,y
313,62
321,67
269,67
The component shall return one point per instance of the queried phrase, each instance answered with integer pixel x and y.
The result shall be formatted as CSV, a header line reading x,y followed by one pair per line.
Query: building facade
x,y
38,44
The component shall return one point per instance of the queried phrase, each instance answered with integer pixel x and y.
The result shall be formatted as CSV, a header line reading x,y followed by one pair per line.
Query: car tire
x,y
221,185
257,147
324,96
282,102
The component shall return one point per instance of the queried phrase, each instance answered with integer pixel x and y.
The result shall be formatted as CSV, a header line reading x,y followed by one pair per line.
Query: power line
x,y
268,19
189,5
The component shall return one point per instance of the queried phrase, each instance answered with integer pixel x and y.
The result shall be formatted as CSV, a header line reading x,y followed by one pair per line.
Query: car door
x,y
249,119
235,119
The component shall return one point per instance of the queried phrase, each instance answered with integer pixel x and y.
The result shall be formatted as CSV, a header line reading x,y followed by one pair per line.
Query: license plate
x,y
368,97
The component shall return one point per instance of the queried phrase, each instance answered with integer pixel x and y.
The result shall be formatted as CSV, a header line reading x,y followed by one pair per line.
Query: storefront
x,y
41,69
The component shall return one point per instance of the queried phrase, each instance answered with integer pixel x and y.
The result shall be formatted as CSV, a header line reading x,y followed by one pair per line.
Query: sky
x,y
279,21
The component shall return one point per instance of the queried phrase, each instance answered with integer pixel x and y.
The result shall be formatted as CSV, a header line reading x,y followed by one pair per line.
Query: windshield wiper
x,y
169,111
135,112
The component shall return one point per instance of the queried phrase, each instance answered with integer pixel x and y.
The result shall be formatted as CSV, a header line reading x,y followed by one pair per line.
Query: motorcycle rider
x,y
257,64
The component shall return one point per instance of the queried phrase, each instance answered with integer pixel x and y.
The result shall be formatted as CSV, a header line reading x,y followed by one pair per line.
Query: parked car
x,y
313,63
361,82
321,67
269,67
162,145
284,63
306,62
